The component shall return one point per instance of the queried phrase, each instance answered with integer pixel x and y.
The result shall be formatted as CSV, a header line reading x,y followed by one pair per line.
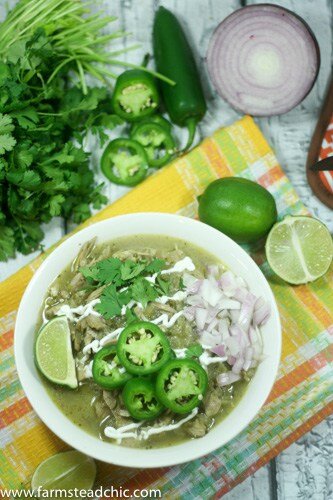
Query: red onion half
x,y
263,59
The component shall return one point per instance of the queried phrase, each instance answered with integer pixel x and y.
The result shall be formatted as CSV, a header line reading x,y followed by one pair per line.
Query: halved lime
x,y
66,470
53,352
299,249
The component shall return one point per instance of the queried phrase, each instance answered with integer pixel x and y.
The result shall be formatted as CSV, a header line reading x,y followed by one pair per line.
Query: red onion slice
x,y
263,59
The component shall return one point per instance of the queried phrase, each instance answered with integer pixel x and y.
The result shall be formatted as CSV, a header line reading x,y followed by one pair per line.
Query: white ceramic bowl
x,y
165,225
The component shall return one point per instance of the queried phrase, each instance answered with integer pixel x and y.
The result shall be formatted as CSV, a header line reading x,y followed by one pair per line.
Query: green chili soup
x,y
99,293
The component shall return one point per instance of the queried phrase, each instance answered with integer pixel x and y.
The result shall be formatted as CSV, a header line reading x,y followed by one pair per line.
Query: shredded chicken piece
x,y
197,427
110,399
78,281
163,307
82,258
96,293
213,402
95,322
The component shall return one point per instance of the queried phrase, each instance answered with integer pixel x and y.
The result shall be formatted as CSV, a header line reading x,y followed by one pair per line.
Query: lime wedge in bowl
x,y
53,353
65,471
299,249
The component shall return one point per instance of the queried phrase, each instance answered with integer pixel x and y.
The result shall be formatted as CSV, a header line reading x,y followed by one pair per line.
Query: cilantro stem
x,y
82,78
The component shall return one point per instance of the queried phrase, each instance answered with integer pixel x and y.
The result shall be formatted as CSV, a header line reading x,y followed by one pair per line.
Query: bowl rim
x,y
146,458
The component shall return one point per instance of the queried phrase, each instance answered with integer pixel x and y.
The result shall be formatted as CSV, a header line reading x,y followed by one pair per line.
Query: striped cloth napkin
x,y
302,395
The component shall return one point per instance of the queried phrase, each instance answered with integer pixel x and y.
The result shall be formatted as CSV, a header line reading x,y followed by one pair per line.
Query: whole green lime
x,y
239,208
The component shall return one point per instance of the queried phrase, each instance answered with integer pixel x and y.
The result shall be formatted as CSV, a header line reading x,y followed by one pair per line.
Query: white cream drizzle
x,y
205,359
186,264
143,434
180,295
80,311
165,321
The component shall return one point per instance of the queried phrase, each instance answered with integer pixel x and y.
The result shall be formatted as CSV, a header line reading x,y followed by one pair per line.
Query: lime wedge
x,y
299,249
53,352
67,470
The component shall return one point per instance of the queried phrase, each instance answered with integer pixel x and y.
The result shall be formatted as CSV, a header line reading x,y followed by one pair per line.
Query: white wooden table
x,y
305,470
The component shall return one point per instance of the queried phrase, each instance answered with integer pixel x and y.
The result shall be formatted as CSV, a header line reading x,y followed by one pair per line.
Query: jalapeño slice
x,y
106,369
124,162
140,399
181,385
143,348
135,95
158,142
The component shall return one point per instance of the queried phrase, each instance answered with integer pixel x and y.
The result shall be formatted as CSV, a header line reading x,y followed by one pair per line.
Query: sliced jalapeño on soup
x,y
143,348
106,369
181,385
140,399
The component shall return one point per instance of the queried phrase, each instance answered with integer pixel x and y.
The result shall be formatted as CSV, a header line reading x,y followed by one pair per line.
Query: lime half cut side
x,y
65,471
53,352
299,249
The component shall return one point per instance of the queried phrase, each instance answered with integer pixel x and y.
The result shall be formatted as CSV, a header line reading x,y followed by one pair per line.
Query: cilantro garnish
x,y
126,280
143,291
112,302
194,351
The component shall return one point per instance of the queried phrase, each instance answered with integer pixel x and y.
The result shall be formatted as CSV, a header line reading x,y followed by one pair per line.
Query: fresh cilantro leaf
x,y
7,143
55,204
194,351
7,243
23,157
130,269
130,316
81,212
6,124
109,271
28,179
181,284
143,291
28,235
155,266
90,273
112,302
16,51
163,286
27,118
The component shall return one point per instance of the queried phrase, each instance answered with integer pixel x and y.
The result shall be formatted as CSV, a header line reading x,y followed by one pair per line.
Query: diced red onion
x,y
246,312
233,346
228,283
224,313
248,358
219,350
209,339
212,270
241,294
227,378
212,324
234,314
237,367
196,300
227,317
231,360
210,293
189,279
229,304
223,327
263,59
261,313
189,313
200,317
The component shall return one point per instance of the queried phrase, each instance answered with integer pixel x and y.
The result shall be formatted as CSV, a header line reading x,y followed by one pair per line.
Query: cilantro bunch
x,y
43,173
126,281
